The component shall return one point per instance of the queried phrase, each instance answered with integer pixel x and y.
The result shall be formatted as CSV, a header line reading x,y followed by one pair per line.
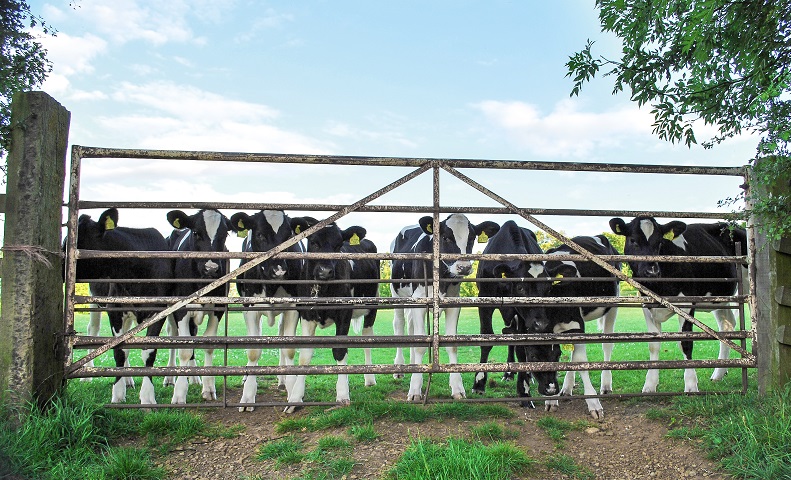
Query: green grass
x,y
460,459
568,466
557,428
750,436
493,431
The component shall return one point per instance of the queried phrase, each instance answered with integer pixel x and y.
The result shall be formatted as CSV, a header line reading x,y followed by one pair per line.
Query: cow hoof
x,y
372,383
130,382
209,396
527,404
479,391
597,415
606,391
194,380
398,376
168,382
282,386
290,409
507,377
458,396
414,398
551,407
246,409
345,402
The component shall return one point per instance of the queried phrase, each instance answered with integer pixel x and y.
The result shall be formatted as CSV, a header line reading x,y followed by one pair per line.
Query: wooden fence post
x,y
31,326
773,306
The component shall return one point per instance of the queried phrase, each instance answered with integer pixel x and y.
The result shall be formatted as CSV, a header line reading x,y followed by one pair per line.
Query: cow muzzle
x,y
461,268
210,268
323,272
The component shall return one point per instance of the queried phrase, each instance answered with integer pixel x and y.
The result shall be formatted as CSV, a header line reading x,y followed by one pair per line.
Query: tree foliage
x,y
23,61
726,63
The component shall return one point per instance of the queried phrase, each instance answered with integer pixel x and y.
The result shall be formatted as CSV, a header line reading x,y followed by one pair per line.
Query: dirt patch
x,y
626,445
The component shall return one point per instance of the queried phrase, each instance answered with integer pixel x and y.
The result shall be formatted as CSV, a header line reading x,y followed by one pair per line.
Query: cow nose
x,y
552,389
652,270
464,268
278,271
211,267
323,272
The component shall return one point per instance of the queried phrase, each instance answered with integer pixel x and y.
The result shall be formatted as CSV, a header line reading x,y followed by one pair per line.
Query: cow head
x,y
457,235
547,381
267,229
329,239
91,236
208,230
645,236
525,279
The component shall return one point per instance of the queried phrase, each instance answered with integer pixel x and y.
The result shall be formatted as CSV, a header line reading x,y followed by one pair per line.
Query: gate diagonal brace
x,y
243,268
620,275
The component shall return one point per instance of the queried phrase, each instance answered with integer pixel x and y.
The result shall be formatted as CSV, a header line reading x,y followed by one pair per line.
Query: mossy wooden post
x,y
773,305
31,327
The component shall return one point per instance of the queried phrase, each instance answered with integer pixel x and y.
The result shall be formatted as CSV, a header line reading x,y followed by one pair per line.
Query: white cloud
x,y
269,20
71,55
566,131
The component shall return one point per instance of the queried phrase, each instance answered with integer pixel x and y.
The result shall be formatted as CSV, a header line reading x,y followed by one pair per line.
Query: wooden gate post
x,y
773,305
31,326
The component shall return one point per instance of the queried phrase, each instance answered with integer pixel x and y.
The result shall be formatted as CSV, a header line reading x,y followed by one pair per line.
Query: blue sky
x,y
448,79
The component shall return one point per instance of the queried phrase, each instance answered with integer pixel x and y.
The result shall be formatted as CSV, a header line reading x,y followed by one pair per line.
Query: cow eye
x,y
520,288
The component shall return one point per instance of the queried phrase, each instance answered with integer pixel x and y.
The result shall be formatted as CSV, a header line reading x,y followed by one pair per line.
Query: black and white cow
x,y
645,236
204,231
268,229
329,278
457,235
572,319
512,239
105,235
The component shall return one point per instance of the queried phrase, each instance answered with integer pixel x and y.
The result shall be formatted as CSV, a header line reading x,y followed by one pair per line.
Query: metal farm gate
x,y
736,340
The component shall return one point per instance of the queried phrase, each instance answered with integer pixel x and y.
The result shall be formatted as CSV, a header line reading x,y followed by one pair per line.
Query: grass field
x,y
321,387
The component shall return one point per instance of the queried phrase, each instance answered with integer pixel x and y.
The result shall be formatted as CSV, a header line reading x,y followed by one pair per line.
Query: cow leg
x,y
726,322
129,321
485,319
523,379
341,356
398,329
94,324
149,356
370,378
580,354
607,325
652,326
509,321
288,325
209,391
186,328
690,376
297,391
121,357
451,322
416,326
170,331
253,321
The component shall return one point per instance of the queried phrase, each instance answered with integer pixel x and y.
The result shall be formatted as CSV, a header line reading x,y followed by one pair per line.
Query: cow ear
x,y
502,271
485,230
300,224
354,234
108,220
562,270
670,231
427,225
178,219
240,223
618,226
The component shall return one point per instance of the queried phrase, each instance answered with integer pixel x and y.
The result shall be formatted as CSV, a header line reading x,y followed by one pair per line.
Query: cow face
x,y
267,229
329,239
645,236
90,232
457,235
524,279
208,230
547,381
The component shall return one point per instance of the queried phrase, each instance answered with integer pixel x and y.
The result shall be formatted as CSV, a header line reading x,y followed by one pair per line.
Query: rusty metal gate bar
x,y
437,303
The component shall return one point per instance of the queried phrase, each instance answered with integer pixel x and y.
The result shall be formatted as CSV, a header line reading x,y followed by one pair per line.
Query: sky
x,y
418,79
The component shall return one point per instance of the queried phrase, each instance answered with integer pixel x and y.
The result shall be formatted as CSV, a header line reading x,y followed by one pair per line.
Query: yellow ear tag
x,y
567,347
176,223
298,229
109,224
483,238
557,281
429,228
669,235
355,240
617,229
242,233
504,275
